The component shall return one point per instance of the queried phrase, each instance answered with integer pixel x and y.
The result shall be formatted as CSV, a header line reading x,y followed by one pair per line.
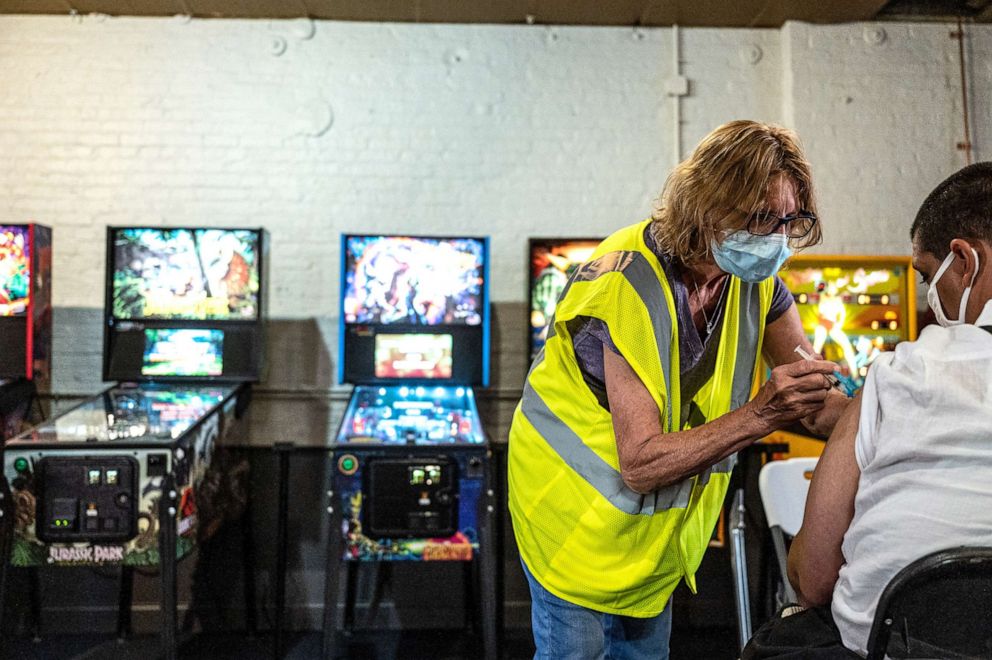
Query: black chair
x,y
939,606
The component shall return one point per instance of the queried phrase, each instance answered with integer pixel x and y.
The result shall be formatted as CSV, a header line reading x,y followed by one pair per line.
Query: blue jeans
x,y
565,630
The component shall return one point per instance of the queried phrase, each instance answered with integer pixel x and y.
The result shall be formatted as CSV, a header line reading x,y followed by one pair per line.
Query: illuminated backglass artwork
x,y
15,269
551,262
413,280
853,308
191,274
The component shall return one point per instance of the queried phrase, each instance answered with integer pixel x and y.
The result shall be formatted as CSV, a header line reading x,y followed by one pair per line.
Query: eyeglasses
x,y
765,223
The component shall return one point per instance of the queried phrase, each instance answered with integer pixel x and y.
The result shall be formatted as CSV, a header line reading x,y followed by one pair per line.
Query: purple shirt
x,y
697,354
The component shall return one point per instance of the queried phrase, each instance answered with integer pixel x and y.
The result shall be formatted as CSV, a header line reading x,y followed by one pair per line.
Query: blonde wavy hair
x,y
724,182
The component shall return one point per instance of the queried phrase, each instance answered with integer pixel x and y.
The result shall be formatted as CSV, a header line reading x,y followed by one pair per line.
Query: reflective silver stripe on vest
x,y
635,268
566,443
583,460
606,480
747,343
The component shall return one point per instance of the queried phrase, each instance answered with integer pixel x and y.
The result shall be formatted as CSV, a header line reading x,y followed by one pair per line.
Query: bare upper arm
x,y
636,418
815,557
782,336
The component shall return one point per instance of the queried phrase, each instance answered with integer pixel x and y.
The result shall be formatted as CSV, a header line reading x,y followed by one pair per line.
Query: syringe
x,y
831,378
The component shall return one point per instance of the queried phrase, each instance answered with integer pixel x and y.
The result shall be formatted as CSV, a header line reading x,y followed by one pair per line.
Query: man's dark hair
x,y
960,207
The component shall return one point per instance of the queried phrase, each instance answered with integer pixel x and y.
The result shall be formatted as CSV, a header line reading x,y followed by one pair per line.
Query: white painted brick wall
x,y
881,121
726,85
509,131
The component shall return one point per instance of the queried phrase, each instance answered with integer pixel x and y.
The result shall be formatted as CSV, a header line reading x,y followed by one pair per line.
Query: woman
x,y
622,445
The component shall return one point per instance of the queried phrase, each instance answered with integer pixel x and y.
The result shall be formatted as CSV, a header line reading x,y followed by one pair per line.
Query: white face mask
x,y
933,298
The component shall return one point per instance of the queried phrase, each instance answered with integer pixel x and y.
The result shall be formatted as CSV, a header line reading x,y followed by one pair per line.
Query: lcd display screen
x,y
183,352
413,281
413,356
15,269
195,274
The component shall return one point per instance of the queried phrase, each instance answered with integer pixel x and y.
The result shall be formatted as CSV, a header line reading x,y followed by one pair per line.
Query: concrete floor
x,y
447,644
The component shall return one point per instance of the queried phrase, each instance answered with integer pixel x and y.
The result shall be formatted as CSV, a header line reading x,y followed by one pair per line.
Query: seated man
x,y
907,470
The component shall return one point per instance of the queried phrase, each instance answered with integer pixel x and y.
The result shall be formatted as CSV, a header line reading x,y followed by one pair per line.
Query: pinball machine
x,y
126,477
25,321
410,465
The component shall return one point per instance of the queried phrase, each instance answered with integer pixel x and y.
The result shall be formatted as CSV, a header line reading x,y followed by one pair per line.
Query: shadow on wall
x,y
298,357
292,403
510,346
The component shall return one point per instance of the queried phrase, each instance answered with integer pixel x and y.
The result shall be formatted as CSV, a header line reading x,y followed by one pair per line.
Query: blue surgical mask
x,y
749,257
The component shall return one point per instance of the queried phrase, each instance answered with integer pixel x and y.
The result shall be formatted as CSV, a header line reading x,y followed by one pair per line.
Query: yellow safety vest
x,y
583,534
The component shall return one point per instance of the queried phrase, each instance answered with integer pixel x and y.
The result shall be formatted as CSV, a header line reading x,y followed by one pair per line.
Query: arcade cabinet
x,y
852,309
120,479
25,320
411,473
552,260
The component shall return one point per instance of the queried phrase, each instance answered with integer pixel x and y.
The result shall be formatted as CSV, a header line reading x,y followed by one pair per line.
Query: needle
x,y
834,381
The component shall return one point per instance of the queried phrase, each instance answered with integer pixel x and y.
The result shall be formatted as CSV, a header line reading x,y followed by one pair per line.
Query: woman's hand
x,y
794,391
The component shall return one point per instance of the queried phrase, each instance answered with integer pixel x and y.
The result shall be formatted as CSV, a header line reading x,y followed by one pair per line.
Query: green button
x,y
21,464
348,464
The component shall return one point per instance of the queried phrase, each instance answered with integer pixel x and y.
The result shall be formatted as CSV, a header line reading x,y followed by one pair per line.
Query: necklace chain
x,y
702,307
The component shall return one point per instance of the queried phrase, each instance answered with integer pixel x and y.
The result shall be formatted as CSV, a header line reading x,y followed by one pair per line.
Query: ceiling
x,y
714,13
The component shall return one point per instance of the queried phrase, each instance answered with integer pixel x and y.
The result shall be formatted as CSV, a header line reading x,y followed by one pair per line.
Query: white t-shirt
x,y
924,447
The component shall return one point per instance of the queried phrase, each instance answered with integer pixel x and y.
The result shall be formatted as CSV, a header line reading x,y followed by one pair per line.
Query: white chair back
x,y
784,486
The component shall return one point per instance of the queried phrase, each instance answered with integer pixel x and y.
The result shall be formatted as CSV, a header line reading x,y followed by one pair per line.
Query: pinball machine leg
x,y
333,574
488,557
124,601
283,451
6,539
167,559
